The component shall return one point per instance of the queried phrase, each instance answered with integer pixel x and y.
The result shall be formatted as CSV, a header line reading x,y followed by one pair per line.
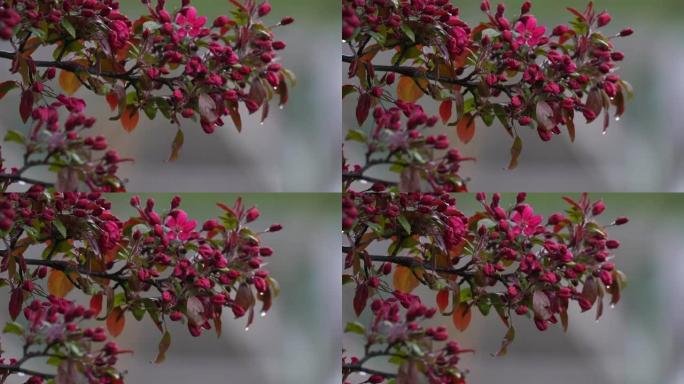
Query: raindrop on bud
x,y
263,313
246,329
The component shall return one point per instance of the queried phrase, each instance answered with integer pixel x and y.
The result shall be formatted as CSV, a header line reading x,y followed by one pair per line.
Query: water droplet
x,y
263,313
275,88
21,182
246,329
344,41
363,181
597,320
281,107
617,118
262,123
612,305
261,293
612,98
363,374
605,133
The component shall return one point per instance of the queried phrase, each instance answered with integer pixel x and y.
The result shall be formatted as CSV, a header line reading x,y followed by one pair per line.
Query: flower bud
x,y
252,214
603,19
264,9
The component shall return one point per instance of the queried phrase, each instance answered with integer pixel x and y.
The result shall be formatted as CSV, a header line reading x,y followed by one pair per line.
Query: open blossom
x,y
180,227
191,25
529,32
527,222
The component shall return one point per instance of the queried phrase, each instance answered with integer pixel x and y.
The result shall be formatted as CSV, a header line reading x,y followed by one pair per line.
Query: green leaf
x,y
13,328
15,137
409,32
177,145
164,344
347,89
60,228
515,152
356,135
405,224
69,27
355,327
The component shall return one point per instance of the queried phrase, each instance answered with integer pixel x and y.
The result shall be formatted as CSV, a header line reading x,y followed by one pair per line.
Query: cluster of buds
x,y
78,159
398,140
504,258
509,69
171,61
55,329
160,263
397,331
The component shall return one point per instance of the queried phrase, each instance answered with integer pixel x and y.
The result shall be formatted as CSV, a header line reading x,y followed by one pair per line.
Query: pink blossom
x,y
529,32
527,222
179,226
189,22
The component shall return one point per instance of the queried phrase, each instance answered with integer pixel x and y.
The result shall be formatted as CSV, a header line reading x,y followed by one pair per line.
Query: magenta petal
x,y
539,31
200,22
191,13
189,225
520,28
531,23
170,222
180,19
181,217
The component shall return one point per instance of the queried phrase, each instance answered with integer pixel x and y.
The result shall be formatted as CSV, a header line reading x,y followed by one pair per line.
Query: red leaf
x,y
116,321
26,105
113,100
96,304
360,299
466,128
130,118
443,299
462,316
445,111
16,300
7,86
515,152
362,108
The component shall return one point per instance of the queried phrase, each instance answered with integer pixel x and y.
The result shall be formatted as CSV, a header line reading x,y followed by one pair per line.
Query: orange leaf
x,y
96,304
112,100
462,317
116,321
443,299
404,280
445,111
70,81
466,128
58,283
130,118
408,90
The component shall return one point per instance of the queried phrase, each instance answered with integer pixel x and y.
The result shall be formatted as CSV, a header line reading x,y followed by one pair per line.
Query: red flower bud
x,y
264,9
252,214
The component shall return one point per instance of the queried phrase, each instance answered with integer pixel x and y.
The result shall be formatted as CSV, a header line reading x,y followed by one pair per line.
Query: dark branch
x,y
358,176
68,267
17,178
19,369
350,368
413,72
410,262
73,67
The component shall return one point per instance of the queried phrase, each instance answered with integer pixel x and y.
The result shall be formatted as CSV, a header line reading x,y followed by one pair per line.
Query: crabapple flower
x,y
529,33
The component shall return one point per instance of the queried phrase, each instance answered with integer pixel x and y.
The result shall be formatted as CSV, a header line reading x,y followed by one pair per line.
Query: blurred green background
x,y
641,340
297,342
296,150
640,153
